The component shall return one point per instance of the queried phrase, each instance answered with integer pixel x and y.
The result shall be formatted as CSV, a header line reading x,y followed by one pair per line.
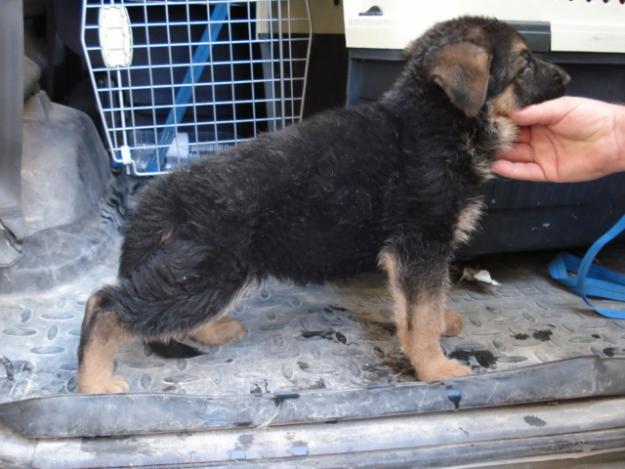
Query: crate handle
x,y
372,11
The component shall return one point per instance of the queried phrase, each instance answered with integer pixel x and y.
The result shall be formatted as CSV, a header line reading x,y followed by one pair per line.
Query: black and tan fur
x,y
397,182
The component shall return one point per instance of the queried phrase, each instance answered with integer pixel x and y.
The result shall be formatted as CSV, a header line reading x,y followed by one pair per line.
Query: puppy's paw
x,y
453,323
112,385
442,369
220,332
119,385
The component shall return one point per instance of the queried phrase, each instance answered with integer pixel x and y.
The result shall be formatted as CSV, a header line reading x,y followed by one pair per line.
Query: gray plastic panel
x,y
11,106
71,204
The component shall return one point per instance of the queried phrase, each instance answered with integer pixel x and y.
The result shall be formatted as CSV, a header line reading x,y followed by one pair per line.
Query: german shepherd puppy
x,y
397,183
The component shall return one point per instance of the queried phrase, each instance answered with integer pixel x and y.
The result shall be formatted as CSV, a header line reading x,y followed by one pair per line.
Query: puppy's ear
x,y
462,71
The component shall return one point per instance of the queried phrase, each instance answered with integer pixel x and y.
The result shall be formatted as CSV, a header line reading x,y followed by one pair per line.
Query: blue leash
x,y
184,94
587,279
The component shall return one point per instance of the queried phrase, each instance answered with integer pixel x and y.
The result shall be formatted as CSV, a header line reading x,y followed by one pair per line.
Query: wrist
x,y
619,135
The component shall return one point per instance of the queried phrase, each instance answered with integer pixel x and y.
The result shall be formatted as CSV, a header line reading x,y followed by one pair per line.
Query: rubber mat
x,y
333,337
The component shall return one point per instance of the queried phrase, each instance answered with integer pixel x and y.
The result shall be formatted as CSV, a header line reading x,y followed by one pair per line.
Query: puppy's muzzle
x,y
552,81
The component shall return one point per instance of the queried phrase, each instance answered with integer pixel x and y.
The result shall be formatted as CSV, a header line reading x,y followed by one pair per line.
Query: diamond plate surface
x,y
331,337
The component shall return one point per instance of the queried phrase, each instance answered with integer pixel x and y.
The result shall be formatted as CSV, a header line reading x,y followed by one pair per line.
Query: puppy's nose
x,y
561,77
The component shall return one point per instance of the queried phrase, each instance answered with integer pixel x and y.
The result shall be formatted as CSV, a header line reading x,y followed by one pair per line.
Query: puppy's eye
x,y
524,67
523,63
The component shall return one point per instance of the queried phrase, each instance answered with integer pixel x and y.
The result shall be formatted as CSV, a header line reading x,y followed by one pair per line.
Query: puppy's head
x,y
484,64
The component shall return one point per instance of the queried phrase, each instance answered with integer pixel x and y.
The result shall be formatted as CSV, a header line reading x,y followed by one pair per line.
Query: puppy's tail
x,y
173,349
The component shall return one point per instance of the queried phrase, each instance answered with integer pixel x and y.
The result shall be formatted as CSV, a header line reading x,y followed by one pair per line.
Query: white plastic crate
x,y
576,25
177,80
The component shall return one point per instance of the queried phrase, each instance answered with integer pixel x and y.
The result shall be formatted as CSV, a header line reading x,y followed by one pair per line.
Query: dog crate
x,y
180,80
586,37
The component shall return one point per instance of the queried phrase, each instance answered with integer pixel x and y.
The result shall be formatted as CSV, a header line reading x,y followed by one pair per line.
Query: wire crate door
x,y
180,80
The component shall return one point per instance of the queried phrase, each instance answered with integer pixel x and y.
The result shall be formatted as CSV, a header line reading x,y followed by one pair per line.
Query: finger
x,y
519,152
522,171
546,113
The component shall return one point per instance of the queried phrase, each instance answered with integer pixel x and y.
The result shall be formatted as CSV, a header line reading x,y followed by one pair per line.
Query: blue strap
x,y
585,278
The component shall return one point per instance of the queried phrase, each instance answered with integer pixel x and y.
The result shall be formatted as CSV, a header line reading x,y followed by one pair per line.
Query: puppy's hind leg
x,y
219,332
221,329
100,337
418,289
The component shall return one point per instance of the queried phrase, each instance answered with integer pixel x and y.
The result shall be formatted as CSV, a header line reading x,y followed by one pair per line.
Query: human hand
x,y
565,140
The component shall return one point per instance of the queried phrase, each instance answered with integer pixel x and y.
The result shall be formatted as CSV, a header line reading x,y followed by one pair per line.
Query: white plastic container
x,y
576,25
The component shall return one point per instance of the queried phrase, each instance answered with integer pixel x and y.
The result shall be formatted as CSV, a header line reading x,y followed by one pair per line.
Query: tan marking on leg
x,y
421,342
220,329
95,374
452,323
389,263
219,332
426,353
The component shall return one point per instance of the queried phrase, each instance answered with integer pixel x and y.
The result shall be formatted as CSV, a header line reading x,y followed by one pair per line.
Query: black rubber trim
x,y
585,58
591,58
537,34
132,414
376,54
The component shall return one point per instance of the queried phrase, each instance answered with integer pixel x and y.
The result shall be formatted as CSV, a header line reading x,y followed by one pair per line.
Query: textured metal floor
x,y
332,337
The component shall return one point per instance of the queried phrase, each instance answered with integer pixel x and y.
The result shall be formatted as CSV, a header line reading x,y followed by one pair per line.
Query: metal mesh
x,y
203,75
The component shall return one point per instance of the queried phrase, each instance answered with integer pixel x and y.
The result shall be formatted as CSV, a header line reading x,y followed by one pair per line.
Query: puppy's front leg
x,y
418,290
